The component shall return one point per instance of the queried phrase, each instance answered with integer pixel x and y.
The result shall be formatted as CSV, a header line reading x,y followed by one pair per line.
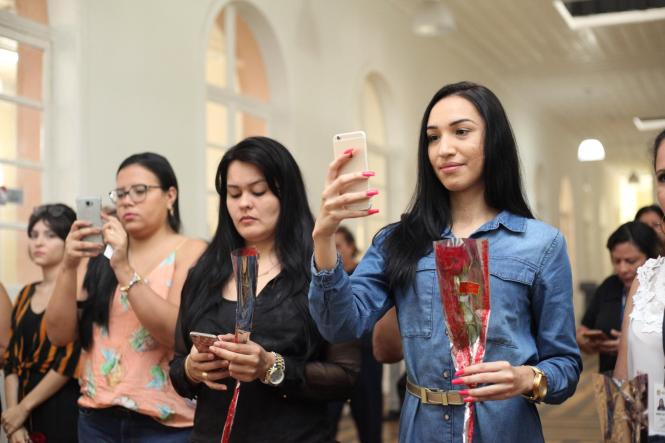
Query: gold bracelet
x,y
187,373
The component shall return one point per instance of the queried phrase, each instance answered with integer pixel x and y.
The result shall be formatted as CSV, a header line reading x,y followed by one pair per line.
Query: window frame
x,y
235,103
37,35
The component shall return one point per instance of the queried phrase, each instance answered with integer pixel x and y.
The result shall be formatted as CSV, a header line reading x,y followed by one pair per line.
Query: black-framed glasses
x,y
136,193
54,210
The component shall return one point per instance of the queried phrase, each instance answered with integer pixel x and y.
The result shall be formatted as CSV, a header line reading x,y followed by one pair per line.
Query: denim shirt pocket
x,y
415,309
511,280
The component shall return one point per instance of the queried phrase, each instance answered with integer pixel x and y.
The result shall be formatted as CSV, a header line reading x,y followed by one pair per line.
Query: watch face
x,y
277,376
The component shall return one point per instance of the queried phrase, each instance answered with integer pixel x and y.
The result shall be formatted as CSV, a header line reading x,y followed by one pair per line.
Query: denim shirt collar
x,y
508,220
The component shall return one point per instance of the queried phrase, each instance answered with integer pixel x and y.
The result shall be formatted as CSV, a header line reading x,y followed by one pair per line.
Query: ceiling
x,y
592,81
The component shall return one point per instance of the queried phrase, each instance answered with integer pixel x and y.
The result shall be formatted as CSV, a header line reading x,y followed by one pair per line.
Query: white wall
x,y
129,76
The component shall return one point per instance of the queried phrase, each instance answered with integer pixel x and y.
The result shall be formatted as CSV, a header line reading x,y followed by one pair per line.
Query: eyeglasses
x,y
54,210
136,193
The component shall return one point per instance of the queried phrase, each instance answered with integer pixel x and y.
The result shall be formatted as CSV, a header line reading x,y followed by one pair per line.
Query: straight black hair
x,y
429,212
100,280
58,216
293,233
639,234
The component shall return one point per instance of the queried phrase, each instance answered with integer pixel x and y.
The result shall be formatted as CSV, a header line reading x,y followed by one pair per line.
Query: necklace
x,y
261,274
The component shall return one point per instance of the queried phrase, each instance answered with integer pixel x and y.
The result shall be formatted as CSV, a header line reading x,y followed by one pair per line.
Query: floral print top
x,y
127,367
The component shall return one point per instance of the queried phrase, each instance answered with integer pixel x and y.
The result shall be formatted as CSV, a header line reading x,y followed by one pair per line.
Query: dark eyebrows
x,y
453,123
249,185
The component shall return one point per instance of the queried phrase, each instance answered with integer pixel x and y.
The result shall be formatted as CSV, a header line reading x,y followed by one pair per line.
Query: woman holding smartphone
x,y
630,246
40,384
468,185
263,203
124,309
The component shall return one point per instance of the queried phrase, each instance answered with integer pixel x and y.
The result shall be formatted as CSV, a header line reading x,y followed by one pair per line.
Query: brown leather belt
x,y
431,396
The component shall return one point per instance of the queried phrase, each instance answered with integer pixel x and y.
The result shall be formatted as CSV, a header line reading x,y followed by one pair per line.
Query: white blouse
x,y
645,343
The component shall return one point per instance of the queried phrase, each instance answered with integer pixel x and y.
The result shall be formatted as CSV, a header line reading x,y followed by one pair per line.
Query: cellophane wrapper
x,y
622,407
245,270
463,271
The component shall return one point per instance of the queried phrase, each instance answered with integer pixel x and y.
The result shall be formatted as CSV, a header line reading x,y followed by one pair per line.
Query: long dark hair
x,y
293,233
429,212
100,280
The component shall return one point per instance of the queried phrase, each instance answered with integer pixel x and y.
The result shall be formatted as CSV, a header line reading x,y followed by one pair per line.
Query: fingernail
x,y
348,152
460,372
372,192
372,211
458,381
463,392
469,400
368,174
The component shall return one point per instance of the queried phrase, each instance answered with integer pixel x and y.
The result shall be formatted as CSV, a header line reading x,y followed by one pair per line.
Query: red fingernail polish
x,y
348,151
458,381
372,211
460,372
469,400
372,192
463,392
368,174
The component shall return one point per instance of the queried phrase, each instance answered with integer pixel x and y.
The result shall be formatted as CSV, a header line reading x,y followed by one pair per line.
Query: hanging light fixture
x,y
633,178
432,18
590,150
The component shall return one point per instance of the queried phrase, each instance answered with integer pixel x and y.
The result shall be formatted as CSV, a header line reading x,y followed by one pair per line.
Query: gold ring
x,y
204,374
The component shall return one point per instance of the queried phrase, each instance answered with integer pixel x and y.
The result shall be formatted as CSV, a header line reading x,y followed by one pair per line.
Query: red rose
x,y
451,259
37,437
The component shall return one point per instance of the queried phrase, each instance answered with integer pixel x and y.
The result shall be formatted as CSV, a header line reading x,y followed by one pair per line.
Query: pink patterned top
x,y
128,367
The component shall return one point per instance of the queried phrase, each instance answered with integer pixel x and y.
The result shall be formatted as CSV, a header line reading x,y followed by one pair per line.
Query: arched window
x,y
238,93
24,43
374,124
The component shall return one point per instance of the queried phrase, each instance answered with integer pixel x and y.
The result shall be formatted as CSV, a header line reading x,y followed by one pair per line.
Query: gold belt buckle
x,y
432,396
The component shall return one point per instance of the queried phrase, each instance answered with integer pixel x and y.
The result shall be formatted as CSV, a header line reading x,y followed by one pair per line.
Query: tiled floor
x,y
575,421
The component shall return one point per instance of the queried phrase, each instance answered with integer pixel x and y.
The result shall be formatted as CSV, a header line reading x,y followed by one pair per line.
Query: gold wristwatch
x,y
539,389
275,374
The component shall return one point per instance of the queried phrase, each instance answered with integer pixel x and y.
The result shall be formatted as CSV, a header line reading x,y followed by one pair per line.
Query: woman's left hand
x,y
247,361
501,379
116,236
14,417
21,435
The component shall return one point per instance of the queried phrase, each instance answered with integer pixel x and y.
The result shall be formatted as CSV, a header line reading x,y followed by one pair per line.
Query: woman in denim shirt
x,y
468,185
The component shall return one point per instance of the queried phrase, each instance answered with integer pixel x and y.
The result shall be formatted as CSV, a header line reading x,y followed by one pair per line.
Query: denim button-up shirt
x,y
531,323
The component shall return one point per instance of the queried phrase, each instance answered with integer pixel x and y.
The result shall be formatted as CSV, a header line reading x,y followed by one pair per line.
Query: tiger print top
x,y
30,354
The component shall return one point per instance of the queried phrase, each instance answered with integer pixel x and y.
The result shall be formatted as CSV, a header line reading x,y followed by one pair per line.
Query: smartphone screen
x,y
358,163
89,209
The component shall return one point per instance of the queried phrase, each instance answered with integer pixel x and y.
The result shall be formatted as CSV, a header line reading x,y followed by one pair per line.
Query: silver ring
x,y
204,374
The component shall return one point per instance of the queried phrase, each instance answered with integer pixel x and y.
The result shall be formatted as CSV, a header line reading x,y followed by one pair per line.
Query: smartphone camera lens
x,y
88,203
339,138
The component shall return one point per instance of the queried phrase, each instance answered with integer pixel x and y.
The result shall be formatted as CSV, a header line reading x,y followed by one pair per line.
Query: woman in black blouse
x,y
630,246
263,203
40,388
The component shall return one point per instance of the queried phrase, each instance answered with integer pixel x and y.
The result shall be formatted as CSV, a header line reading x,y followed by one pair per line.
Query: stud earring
x,y
171,211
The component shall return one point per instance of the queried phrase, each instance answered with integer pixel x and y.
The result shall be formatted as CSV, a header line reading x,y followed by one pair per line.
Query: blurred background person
x,y
641,349
40,388
128,307
367,398
630,246
652,215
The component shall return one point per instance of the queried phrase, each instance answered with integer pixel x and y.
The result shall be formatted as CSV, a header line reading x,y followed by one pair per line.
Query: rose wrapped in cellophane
x,y
463,270
245,268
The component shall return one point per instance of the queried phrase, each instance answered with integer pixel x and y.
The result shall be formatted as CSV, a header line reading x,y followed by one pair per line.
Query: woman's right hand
x,y
334,200
76,248
21,435
205,367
